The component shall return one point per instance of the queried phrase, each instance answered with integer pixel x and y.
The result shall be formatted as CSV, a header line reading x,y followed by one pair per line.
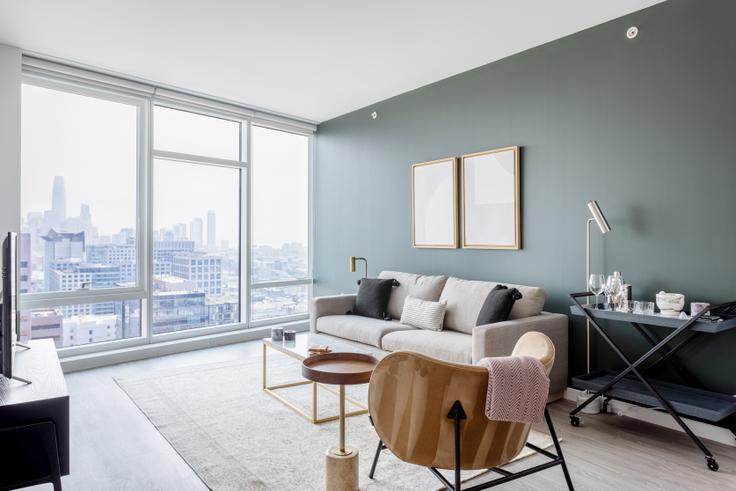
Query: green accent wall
x,y
645,126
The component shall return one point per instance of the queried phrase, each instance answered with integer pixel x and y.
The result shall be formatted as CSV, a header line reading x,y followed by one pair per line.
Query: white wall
x,y
10,69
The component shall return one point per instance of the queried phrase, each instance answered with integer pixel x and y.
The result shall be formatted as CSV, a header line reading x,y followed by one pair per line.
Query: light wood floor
x,y
114,447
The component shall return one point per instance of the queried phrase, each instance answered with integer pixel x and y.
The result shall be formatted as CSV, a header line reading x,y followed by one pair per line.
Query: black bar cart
x,y
633,386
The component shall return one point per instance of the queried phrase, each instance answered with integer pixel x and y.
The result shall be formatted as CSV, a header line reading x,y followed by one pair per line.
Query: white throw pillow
x,y
423,314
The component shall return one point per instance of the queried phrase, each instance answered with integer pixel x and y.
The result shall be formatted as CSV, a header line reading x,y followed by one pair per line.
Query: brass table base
x,y
312,415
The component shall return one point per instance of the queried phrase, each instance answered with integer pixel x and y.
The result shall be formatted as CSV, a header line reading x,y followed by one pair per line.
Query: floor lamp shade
x,y
598,216
600,219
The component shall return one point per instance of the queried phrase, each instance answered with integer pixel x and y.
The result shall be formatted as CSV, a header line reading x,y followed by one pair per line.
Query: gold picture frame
x,y
434,204
489,196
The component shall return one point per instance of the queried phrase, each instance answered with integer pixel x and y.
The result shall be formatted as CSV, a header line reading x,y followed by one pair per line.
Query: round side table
x,y
341,462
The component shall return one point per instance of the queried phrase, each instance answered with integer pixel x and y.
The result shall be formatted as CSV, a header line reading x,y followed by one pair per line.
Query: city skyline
x,y
79,209
58,218
92,143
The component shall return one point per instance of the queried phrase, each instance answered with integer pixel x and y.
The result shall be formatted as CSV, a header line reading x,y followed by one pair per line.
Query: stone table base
x,y
341,471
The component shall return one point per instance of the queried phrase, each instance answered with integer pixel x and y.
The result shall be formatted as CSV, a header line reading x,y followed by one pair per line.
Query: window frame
x,y
145,98
309,280
40,300
242,166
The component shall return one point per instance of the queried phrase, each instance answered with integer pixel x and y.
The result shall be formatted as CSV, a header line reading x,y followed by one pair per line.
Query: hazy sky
x,y
91,143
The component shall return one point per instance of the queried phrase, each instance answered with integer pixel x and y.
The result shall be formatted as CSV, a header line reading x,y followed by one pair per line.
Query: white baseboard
x,y
703,430
124,355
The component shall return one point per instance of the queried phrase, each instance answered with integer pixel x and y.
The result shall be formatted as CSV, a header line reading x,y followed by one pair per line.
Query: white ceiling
x,y
314,59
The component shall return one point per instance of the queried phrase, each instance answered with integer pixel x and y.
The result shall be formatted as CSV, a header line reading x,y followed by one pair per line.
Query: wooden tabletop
x,y
339,368
40,365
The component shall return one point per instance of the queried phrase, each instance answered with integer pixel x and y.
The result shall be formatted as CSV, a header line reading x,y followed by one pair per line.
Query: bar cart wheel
x,y
712,464
575,421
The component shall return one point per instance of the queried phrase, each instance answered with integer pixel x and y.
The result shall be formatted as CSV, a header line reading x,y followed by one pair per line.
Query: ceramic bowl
x,y
670,303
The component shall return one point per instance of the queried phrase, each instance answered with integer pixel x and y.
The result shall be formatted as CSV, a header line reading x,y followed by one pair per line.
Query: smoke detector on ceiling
x,y
632,32
374,115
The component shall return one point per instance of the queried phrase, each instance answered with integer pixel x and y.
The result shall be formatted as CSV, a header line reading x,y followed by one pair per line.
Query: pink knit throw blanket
x,y
517,389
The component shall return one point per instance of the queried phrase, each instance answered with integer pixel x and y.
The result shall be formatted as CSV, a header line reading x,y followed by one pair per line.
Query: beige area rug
x,y
236,437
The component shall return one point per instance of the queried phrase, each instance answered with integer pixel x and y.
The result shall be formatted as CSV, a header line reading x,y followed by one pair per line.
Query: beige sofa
x,y
460,340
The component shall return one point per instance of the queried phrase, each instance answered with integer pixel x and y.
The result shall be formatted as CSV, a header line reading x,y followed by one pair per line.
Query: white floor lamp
x,y
604,227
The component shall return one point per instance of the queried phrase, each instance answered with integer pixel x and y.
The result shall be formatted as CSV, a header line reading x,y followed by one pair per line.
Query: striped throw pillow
x,y
423,313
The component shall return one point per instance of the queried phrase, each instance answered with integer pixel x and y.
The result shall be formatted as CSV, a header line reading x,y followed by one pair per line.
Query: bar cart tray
x,y
654,320
687,401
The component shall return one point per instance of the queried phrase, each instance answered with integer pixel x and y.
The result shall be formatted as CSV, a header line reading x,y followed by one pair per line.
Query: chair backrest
x,y
410,395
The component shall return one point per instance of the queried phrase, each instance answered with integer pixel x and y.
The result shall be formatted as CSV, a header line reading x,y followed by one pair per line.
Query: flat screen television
x,y
9,317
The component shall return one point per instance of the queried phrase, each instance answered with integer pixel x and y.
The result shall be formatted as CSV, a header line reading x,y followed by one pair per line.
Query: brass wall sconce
x,y
352,261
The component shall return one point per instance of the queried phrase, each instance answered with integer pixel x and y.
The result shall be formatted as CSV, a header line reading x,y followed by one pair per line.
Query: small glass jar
x,y
643,308
277,334
625,305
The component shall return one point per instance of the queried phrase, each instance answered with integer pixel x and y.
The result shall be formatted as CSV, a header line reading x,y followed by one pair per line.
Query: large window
x,y
79,212
198,173
146,219
280,243
78,195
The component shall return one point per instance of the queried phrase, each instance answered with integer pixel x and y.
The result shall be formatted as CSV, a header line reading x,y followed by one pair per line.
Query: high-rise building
x,y
85,329
46,324
129,319
203,270
58,201
61,248
180,231
81,276
24,261
85,216
211,230
164,250
196,231
176,311
123,255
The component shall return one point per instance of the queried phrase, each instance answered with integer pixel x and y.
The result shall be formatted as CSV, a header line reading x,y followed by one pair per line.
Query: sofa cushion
x,y
465,298
417,285
498,304
444,345
357,328
423,314
372,298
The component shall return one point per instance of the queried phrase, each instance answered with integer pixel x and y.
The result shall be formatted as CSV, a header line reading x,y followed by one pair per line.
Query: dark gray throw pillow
x,y
372,299
498,304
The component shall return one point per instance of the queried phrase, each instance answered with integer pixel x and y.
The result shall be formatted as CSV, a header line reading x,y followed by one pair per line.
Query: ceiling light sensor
x,y
632,32
374,115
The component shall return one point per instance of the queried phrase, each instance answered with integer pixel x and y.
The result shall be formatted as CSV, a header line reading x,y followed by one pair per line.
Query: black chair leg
x,y
558,449
375,459
27,433
457,414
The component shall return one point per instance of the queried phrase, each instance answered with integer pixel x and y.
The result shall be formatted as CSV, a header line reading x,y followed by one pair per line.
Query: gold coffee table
x,y
341,462
298,350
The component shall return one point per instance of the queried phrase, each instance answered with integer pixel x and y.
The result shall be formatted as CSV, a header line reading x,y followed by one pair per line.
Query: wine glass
x,y
596,283
613,288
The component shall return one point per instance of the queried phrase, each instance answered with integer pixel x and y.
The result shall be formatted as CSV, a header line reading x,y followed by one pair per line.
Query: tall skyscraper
x,y
211,231
180,231
58,200
85,216
195,231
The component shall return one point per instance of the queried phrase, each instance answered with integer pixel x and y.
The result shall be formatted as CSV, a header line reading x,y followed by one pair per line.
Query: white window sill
x,y
124,355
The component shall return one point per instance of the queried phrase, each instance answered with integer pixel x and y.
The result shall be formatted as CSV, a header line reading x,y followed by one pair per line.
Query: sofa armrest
x,y
498,339
329,305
